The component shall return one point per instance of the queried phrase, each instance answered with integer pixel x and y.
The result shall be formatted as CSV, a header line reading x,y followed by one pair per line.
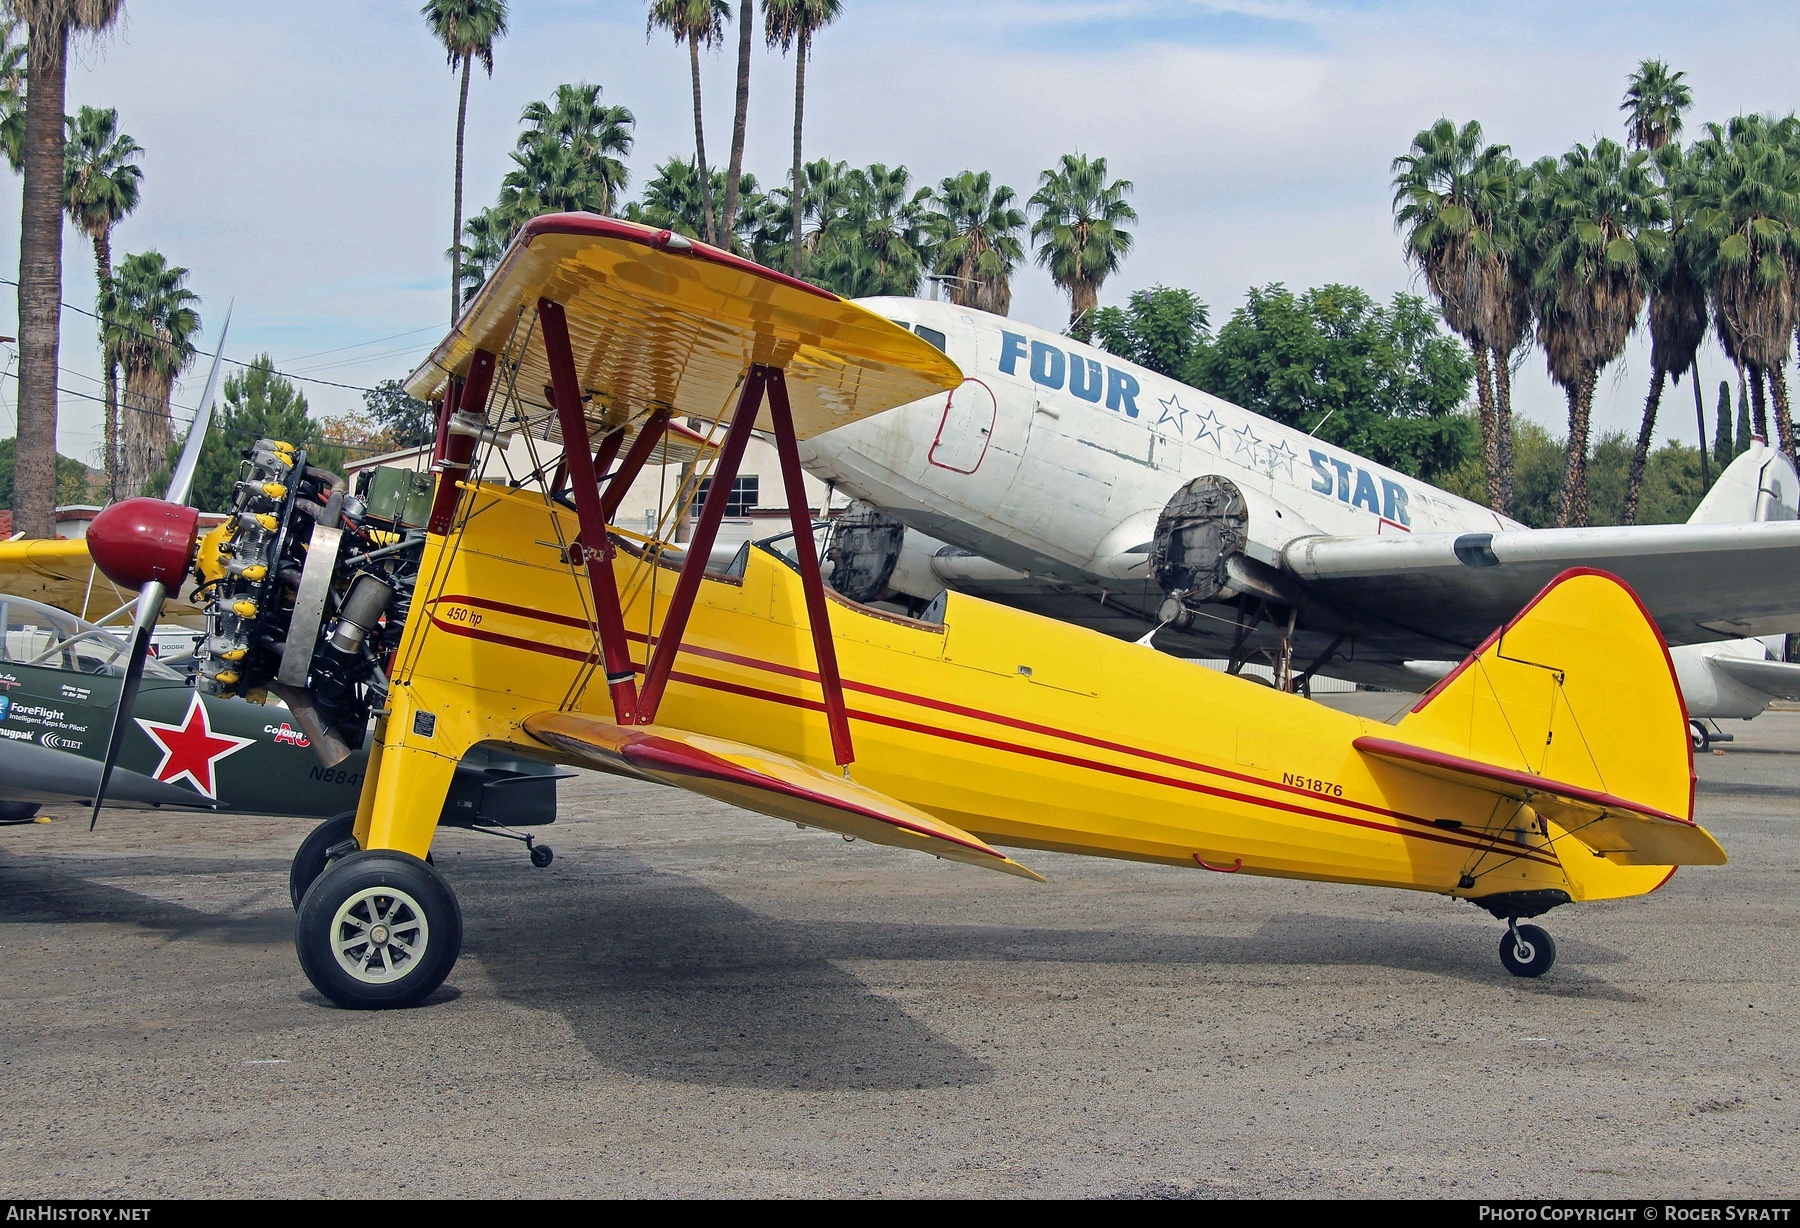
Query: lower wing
x,y
762,781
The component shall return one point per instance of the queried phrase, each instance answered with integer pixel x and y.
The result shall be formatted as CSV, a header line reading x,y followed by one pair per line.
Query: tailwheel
x,y
1527,950
378,929
333,838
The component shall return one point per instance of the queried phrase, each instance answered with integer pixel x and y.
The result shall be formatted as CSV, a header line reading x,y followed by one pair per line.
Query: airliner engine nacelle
x,y
862,549
1201,527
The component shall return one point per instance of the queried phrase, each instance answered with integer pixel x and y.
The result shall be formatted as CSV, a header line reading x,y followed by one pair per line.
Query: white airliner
x,y
1067,481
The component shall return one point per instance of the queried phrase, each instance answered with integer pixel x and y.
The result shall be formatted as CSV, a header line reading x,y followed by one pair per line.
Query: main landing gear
x,y
376,929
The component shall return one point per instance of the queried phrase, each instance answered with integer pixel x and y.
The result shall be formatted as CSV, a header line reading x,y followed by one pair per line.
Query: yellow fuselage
x,y
1024,731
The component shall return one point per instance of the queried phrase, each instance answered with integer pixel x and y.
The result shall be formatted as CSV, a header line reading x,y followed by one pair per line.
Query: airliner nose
x,y
139,540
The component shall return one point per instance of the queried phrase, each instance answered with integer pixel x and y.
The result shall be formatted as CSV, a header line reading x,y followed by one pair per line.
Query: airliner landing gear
x,y
1700,738
1527,950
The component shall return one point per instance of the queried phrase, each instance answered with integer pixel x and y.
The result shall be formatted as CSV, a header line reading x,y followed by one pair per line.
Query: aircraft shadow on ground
x,y
664,977
39,889
668,978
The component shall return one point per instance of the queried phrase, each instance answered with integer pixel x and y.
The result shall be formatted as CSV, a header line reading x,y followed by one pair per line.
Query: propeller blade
x,y
150,602
183,481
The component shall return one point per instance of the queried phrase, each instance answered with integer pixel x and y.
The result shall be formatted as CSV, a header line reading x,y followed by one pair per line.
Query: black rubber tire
x,y
310,859
418,893
1698,737
19,812
1536,957
542,855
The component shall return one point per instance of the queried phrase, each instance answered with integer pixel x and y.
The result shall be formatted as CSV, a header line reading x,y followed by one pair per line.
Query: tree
x,y
404,420
1384,382
1079,232
1594,223
569,157
485,237
1160,328
468,29
72,484
1655,100
1724,450
40,245
101,187
1671,484
1677,317
977,228
258,403
1745,432
673,200
12,101
148,328
1454,198
879,243
1744,201
740,117
790,25
697,23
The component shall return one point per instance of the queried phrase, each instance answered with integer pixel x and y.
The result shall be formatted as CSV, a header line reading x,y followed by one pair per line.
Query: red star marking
x,y
191,749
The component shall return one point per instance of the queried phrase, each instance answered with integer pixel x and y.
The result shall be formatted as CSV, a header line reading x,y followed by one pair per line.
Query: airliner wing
x,y
1778,678
1699,582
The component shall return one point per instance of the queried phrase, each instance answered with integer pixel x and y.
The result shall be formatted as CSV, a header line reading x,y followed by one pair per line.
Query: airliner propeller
x,y
148,544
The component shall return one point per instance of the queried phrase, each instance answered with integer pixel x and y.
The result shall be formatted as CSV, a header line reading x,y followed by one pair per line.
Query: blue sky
x,y
298,157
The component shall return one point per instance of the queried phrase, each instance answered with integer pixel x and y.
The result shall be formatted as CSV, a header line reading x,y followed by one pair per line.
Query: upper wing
x,y
1778,678
61,573
658,321
762,781
1700,582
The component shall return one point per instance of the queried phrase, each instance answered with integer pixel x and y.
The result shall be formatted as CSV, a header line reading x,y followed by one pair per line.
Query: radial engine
x,y
307,588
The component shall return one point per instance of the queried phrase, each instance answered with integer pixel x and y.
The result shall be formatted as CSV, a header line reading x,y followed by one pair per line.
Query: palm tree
x,y
40,246
978,240
735,168
790,26
1594,232
468,29
101,188
570,157
1078,232
484,242
881,243
149,326
1745,229
1454,197
697,23
1677,320
1655,100
12,94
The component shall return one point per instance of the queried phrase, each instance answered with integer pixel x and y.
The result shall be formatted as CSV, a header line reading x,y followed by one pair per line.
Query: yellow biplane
x,y
1552,767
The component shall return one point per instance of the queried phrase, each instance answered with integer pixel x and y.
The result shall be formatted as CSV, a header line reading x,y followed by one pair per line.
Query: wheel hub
x,y
379,935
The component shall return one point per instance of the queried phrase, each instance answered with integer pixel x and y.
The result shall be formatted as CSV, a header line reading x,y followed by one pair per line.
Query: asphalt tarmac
x,y
694,1000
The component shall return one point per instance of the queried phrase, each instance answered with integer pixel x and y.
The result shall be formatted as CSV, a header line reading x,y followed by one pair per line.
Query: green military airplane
x,y
60,684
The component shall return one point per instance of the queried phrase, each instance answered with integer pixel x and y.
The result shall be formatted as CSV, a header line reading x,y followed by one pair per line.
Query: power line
x,y
209,353
189,424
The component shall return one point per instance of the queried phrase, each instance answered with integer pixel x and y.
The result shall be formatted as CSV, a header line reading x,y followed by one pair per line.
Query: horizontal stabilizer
x,y
1628,832
762,781
1778,678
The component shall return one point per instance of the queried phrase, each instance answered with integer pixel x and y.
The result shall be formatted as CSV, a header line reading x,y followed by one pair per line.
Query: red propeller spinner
x,y
136,541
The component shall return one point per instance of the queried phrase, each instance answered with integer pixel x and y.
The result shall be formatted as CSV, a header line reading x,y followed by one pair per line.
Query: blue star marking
x,y
1174,412
1281,455
1246,443
1207,426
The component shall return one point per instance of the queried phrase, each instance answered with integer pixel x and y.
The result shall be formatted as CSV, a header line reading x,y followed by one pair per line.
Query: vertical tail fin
x,y
1759,485
1578,690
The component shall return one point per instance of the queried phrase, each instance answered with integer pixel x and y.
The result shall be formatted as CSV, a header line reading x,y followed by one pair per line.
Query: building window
x,y
743,498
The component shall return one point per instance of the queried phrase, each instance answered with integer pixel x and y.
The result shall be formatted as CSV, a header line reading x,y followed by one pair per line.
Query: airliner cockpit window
x,y
932,335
